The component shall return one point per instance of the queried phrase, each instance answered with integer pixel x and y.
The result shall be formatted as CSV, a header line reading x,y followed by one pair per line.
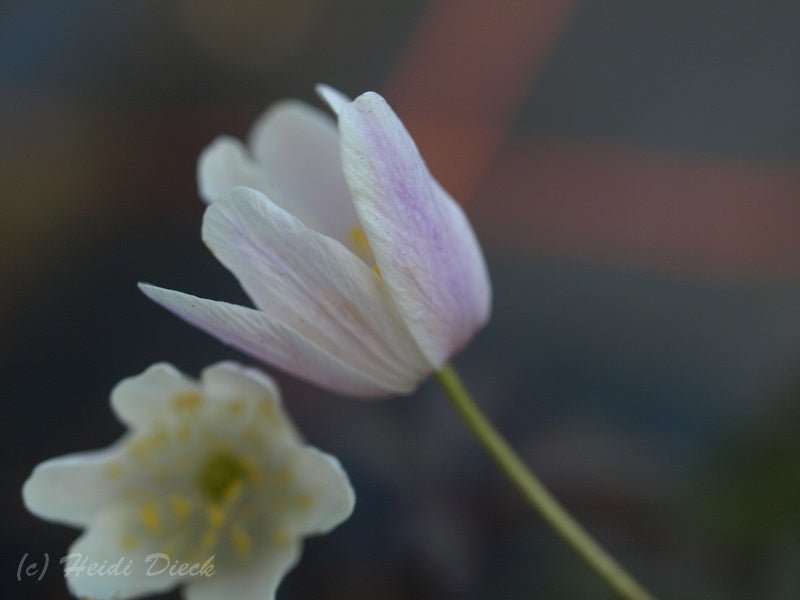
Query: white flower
x,y
212,478
366,275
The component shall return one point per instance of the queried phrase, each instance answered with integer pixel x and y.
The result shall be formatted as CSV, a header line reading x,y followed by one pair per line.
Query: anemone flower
x,y
211,488
365,274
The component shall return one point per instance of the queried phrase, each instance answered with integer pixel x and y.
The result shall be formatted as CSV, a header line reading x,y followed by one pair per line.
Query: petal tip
x,y
214,161
335,99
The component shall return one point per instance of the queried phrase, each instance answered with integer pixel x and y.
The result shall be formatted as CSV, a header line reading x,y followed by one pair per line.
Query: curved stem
x,y
536,494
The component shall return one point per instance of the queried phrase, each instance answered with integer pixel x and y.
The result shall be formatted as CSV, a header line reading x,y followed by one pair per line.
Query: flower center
x,y
220,473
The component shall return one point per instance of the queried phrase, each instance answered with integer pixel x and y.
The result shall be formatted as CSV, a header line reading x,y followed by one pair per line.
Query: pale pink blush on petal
x,y
315,285
268,340
423,244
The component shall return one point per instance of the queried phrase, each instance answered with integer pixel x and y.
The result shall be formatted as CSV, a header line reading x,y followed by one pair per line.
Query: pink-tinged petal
x,y
314,285
294,159
422,241
269,340
335,99
71,489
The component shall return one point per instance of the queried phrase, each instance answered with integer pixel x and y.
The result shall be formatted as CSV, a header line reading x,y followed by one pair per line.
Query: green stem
x,y
536,494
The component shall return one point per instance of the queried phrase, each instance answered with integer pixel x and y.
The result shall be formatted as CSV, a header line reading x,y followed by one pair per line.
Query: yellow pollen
x,y
128,541
254,474
191,555
280,537
181,506
158,438
236,407
187,401
216,516
114,469
304,501
220,474
242,543
150,518
234,492
270,413
283,477
360,242
209,538
140,448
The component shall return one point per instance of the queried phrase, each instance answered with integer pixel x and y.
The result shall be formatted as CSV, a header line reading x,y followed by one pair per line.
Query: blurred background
x,y
633,171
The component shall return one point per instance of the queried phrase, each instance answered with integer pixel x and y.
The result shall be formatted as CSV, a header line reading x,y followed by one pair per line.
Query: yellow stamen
x,y
209,538
181,506
221,472
151,519
128,541
140,448
283,477
304,501
280,537
234,492
187,401
236,407
254,474
360,242
242,543
114,469
215,515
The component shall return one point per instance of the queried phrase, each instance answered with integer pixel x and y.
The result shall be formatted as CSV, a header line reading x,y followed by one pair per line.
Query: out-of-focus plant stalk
x,y
536,494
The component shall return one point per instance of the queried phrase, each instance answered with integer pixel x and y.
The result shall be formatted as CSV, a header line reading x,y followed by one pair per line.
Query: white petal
x,y
260,582
228,380
333,97
101,544
269,340
70,489
315,285
331,498
231,380
295,162
224,164
423,244
144,400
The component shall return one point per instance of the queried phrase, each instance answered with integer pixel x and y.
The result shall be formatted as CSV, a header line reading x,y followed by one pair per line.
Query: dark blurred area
x,y
633,170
